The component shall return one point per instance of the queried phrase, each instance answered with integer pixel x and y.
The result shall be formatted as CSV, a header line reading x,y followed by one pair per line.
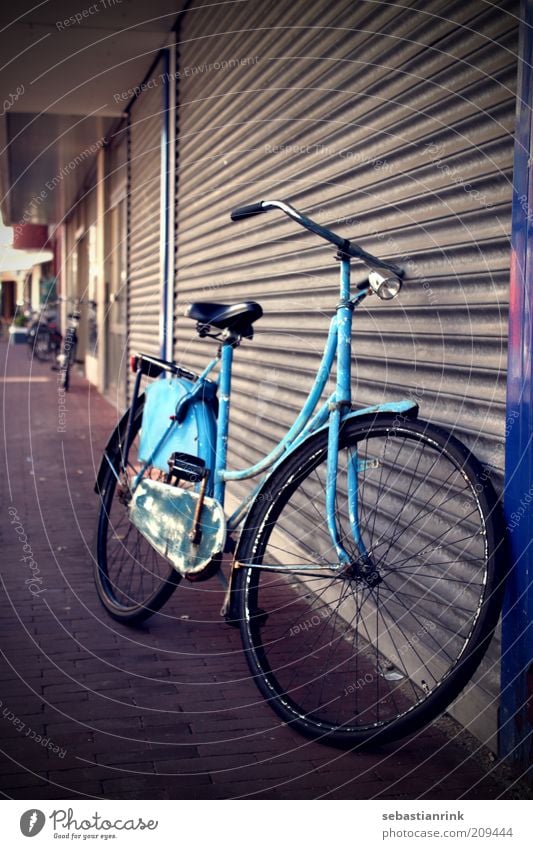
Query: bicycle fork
x,y
362,566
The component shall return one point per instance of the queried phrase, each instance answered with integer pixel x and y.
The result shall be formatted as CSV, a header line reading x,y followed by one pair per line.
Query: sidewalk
x,y
90,708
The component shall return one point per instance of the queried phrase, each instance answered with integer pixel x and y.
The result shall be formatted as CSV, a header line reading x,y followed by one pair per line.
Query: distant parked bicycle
x,y
367,576
44,338
67,357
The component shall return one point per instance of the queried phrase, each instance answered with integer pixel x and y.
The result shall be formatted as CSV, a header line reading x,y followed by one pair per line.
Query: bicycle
x,y
368,574
67,356
44,338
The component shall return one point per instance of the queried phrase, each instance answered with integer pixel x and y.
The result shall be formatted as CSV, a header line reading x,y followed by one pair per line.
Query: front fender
x,y
403,409
406,408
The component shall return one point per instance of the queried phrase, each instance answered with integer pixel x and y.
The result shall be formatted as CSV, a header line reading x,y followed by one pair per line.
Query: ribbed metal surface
x,y
117,167
393,127
115,267
144,230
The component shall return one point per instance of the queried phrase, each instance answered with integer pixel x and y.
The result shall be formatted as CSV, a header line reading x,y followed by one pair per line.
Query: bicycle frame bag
x,y
195,432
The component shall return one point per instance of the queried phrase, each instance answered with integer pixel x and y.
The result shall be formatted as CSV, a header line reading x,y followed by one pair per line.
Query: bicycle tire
x,y
64,376
69,360
325,653
117,538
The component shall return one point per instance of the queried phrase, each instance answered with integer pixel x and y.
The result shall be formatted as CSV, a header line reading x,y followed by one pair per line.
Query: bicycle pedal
x,y
186,467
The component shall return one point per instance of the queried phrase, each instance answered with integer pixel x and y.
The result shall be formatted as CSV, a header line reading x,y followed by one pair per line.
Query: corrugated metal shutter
x,y
393,127
84,282
117,167
116,366
145,256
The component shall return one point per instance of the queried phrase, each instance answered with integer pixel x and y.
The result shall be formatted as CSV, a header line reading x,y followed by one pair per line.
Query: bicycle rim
x,y
341,658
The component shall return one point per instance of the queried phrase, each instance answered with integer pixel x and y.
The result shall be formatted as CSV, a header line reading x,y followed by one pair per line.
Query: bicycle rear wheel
x,y
39,346
133,581
348,659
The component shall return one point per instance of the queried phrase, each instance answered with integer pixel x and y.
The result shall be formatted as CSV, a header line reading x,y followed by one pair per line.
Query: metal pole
x,y
516,705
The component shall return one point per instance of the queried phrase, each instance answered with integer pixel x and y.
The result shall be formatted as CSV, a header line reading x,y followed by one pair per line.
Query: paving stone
x,y
130,783
153,753
22,779
99,772
88,790
225,765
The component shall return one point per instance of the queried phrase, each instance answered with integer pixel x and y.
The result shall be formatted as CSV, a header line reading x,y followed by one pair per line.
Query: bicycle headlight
x,y
385,288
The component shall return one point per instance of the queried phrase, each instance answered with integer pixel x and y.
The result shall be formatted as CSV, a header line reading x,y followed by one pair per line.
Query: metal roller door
x,y
83,263
145,220
394,129
116,267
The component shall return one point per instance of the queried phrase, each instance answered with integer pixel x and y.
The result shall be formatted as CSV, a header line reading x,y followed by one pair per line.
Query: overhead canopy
x,y
67,75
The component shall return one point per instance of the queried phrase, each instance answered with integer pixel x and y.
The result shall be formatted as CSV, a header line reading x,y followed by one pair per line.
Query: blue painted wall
x,y
516,713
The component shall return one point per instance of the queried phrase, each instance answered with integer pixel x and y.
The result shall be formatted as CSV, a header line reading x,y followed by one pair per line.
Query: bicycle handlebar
x,y
344,245
247,211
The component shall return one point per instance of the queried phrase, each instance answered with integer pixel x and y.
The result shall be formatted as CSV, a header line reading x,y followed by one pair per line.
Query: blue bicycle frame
x,y
333,412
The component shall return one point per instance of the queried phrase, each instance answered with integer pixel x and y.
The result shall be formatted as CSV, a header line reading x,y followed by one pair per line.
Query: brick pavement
x,y
166,710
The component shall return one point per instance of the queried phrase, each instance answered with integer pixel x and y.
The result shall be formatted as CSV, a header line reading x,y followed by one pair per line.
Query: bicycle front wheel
x,y
64,375
133,581
371,654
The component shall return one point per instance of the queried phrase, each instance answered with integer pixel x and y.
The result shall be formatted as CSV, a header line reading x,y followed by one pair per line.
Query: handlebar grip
x,y
247,211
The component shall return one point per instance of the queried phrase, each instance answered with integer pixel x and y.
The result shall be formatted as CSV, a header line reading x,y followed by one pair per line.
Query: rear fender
x,y
116,439
205,419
